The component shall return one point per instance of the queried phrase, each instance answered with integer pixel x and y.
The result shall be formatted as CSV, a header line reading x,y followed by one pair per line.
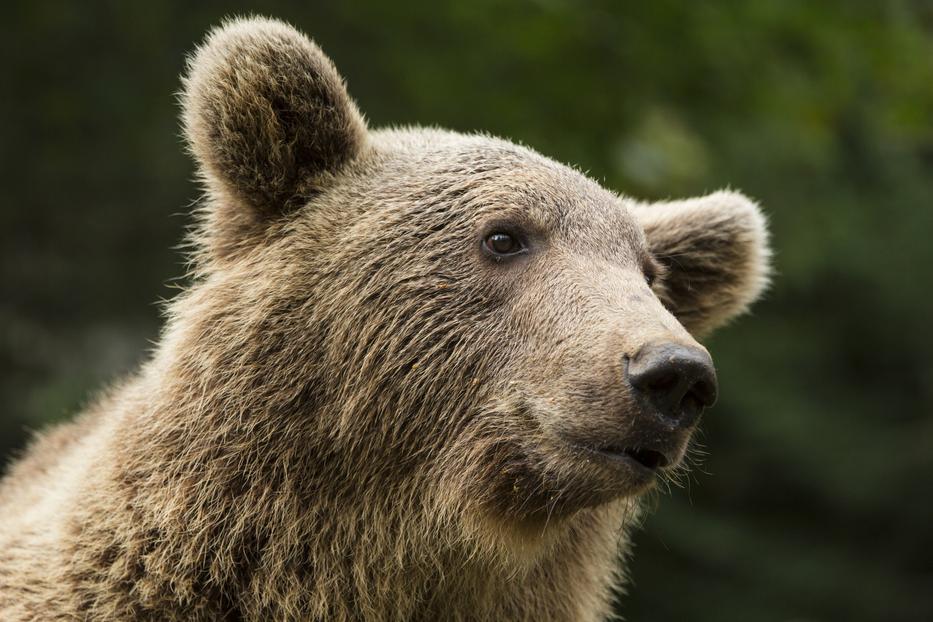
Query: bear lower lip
x,y
647,459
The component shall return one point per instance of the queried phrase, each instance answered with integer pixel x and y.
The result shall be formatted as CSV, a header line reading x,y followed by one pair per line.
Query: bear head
x,y
448,321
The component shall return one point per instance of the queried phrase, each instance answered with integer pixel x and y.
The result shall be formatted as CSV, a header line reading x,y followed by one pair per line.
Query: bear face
x,y
452,309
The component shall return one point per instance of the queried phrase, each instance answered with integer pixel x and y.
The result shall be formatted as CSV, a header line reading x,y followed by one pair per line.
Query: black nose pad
x,y
679,380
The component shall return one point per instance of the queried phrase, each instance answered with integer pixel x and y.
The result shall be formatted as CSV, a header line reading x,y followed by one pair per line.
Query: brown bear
x,y
419,375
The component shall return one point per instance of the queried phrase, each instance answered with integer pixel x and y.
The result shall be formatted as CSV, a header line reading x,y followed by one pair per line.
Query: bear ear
x,y
268,119
715,253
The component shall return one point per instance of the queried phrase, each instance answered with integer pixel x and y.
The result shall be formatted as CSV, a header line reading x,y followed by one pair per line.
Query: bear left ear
x,y
268,120
716,256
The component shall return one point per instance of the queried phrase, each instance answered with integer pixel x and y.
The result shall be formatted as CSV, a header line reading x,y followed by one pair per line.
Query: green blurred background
x,y
816,501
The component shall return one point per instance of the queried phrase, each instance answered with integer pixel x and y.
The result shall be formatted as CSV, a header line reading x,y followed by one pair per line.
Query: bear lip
x,y
649,459
641,459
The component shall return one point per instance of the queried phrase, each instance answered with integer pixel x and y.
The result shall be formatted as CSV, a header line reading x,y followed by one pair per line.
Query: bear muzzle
x,y
669,384
672,384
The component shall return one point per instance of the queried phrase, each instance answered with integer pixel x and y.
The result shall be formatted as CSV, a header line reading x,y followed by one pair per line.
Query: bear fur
x,y
354,411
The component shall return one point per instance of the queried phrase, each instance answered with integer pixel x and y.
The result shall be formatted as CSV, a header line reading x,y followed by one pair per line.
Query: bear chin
x,y
534,488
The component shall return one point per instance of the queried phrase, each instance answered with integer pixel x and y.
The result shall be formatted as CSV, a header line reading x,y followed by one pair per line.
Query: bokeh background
x,y
816,499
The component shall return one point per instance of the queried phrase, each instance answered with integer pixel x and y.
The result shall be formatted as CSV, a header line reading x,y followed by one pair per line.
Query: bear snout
x,y
663,389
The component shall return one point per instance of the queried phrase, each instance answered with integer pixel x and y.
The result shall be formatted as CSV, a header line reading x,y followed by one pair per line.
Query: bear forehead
x,y
430,173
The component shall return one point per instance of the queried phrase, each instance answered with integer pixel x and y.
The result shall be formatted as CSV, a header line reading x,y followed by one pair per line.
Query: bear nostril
x,y
703,392
678,380
664,383
695,401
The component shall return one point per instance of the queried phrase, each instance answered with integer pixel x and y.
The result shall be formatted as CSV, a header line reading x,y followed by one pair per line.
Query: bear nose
x,y
679,380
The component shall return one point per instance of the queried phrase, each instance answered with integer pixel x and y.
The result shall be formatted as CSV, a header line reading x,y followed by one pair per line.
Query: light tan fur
x,y
353,413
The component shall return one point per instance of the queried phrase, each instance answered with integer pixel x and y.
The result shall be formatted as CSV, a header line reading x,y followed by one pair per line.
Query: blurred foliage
x,y
815,501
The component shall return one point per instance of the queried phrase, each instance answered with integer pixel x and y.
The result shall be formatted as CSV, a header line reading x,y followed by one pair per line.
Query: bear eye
x,y
652,271
502,244
650,277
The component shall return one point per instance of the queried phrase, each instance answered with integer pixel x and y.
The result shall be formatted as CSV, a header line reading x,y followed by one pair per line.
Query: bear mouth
x,y
610,468
648,459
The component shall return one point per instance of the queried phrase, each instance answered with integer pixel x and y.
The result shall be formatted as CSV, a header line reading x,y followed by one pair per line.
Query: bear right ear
x,y
715,254
268,119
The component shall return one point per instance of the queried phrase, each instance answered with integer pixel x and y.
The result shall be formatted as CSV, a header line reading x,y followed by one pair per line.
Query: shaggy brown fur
x,y
356,412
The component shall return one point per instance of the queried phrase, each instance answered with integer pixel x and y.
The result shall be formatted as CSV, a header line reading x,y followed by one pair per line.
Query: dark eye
x,y
502,244
651,272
